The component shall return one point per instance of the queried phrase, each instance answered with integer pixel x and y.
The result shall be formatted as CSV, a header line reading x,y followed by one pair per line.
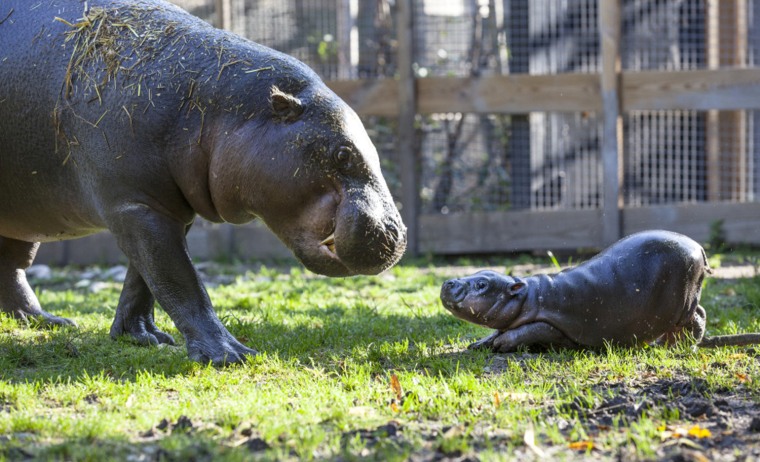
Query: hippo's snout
x,y
369,243
453,292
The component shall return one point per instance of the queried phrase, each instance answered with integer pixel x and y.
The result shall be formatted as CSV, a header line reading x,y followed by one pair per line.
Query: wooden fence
x,y
609,93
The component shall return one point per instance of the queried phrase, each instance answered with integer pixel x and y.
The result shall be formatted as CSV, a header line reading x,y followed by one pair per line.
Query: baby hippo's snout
x,y
453,291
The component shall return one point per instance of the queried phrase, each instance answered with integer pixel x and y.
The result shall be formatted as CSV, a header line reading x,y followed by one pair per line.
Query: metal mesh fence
x,y
537,161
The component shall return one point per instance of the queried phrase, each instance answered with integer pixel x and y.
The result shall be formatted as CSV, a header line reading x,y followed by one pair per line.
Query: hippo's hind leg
x,y
533,334
16,297
134,313
693,329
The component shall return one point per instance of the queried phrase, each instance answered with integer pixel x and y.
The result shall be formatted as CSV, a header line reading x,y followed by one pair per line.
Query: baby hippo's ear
x,y
516,288
285,107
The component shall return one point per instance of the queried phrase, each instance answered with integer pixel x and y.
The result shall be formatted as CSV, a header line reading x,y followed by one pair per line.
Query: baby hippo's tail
x,y
730,340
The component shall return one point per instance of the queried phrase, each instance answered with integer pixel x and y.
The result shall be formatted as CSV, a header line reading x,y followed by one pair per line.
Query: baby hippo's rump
x,y
643,288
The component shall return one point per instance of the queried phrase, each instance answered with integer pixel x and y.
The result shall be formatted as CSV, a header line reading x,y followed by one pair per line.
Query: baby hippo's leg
x,y
536,333
694,328
486,343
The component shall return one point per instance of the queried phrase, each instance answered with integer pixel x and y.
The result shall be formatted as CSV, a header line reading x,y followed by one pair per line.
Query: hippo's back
x,y
634,291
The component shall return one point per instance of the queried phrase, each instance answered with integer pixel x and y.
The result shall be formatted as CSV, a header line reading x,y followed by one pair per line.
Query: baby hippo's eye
x,y
482,284
343,156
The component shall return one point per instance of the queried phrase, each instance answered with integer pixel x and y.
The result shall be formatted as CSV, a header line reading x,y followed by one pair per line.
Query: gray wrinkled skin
x,y
644,288
134,117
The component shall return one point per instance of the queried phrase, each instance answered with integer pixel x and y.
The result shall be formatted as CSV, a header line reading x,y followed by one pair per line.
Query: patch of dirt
x,y
722,425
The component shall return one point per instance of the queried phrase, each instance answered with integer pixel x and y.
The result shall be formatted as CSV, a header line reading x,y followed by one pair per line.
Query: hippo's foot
x,y
538,334
693,330
486,343
41,318
17,298
220,350
140,330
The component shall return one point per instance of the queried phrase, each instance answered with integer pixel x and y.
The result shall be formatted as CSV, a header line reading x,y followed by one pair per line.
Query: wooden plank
x,y
740,220
223,14
612,123
369,97
722,89
344,23
407,111
697,90
510,94
493,232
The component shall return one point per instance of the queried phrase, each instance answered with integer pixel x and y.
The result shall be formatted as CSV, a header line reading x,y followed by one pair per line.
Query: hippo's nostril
x,y
454,290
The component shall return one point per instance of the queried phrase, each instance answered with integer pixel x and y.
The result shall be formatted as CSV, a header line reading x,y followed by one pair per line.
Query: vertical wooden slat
x,y
726,130
712,133
224,14
409,164
344,26
612,129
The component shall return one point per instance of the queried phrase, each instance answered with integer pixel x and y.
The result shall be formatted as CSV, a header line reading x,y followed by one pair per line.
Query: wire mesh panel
x,y
539,160
552,36
688,156
203,9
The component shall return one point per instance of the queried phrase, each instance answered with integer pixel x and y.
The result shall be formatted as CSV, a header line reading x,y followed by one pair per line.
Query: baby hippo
x,y
644,288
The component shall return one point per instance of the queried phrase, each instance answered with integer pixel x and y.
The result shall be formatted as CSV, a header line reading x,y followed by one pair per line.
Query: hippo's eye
x,y
343,156
481,285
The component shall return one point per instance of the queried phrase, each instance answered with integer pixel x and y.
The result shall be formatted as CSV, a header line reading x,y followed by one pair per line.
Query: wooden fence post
x,y
407,94
223,14
610,24
727,165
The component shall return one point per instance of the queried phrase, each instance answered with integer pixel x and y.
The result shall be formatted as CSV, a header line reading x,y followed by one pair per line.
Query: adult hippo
x,y
133,116
644,288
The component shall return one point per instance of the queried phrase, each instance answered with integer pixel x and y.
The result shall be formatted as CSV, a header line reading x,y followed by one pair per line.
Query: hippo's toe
x,y
219,352
40,318
141,330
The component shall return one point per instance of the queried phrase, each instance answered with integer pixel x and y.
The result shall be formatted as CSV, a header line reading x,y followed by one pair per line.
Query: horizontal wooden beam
x,y
369,97
722,89
740,220
494,232
510,94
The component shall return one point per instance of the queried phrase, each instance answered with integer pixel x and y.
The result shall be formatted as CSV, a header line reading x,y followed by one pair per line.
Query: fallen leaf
x,y
496,400
396,386
517,396
530,440
743,378
694,456
394,406
581,445
698,432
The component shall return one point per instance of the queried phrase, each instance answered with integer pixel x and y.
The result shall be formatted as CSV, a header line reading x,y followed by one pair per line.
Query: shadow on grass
x,y
383,341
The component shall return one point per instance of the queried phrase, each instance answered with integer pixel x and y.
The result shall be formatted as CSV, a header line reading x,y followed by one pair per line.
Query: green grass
x,y
321,387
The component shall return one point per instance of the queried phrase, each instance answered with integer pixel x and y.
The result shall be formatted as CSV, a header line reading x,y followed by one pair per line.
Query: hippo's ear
x,y
285,107
516,288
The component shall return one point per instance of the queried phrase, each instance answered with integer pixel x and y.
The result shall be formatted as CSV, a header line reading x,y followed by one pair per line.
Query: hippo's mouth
x,y
328,244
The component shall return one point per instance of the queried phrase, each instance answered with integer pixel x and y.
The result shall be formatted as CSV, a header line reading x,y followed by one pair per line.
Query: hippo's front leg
x,y
485,342
134,313
155,245
536,333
